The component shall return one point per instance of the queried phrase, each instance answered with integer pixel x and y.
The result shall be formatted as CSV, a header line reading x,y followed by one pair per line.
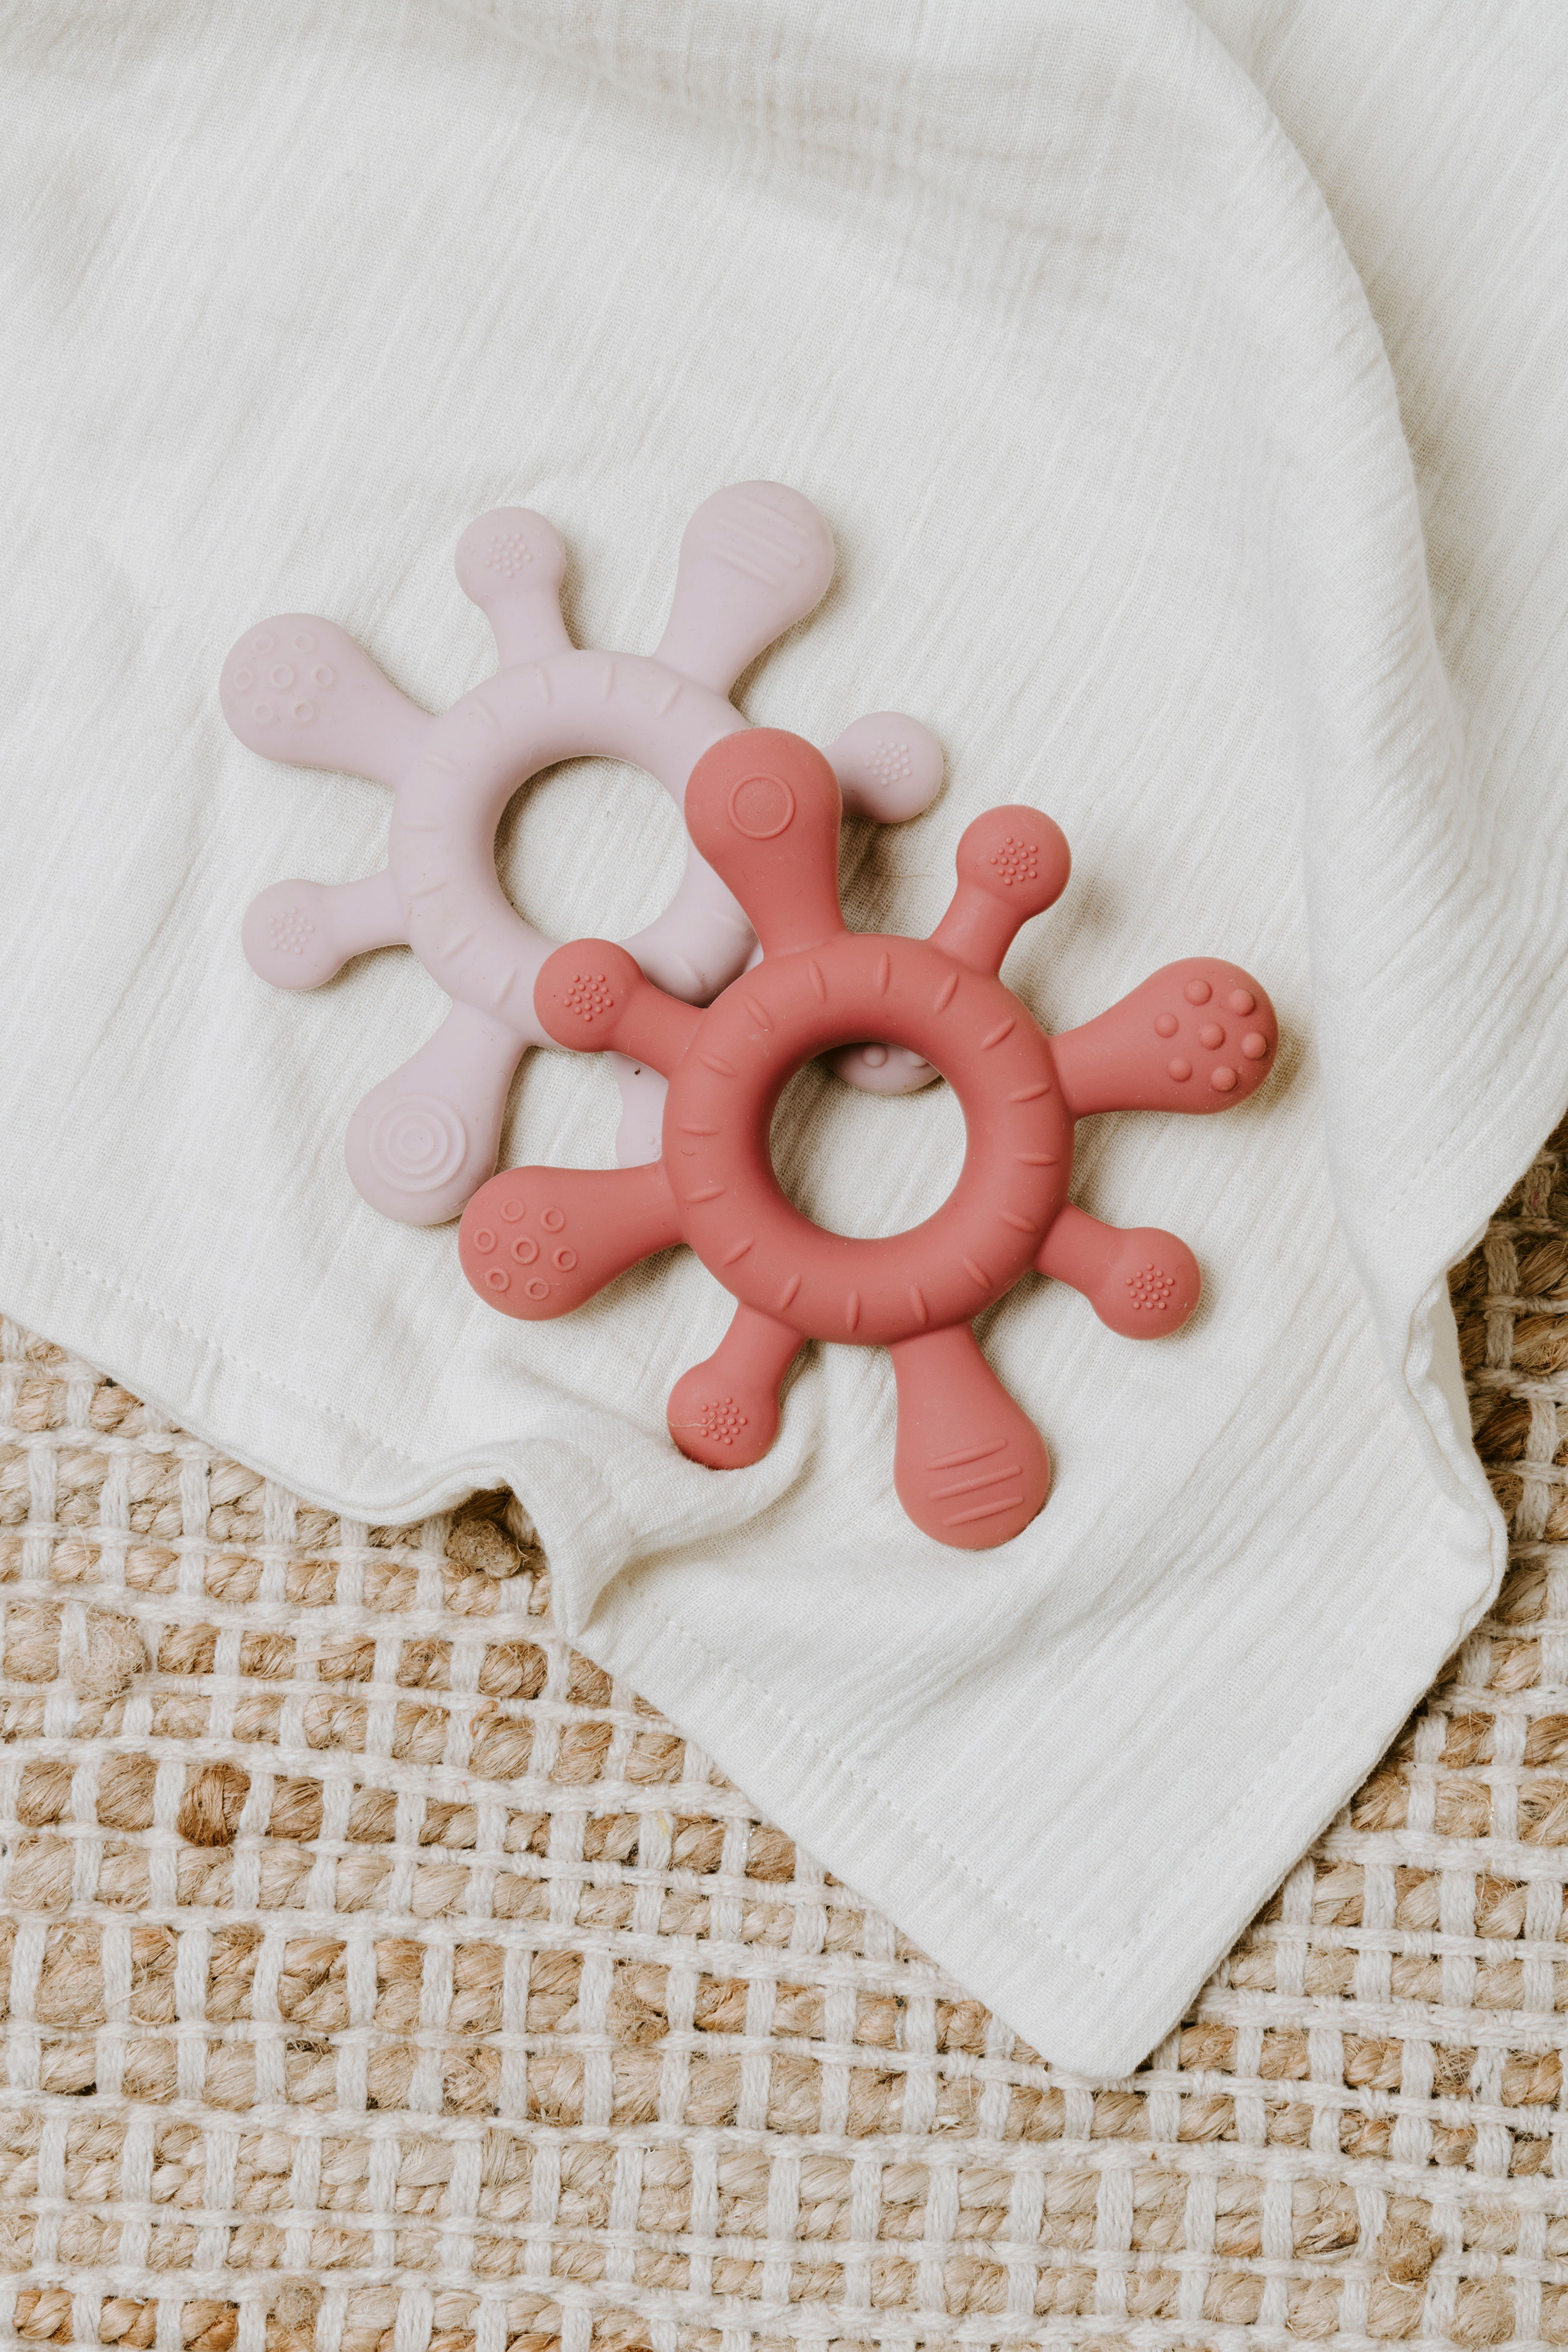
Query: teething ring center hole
x,y
589,847
864,1165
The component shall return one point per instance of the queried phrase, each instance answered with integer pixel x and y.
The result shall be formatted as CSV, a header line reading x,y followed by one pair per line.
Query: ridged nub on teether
x,y
755,559
971,1468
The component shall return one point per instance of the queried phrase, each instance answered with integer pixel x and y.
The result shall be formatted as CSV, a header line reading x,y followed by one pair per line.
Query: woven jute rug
x,y
380,1976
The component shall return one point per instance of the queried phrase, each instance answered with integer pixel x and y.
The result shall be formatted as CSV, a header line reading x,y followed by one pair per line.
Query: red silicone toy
x,y
763,808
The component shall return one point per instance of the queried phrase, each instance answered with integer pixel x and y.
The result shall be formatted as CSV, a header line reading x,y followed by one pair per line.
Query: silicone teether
x,y
754,559
970,1467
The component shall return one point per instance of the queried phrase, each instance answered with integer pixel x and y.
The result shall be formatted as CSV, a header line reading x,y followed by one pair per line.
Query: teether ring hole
x,y
864,1165
543,864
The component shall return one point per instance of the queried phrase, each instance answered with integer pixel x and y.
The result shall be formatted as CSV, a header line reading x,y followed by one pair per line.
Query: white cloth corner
x,y
1046,313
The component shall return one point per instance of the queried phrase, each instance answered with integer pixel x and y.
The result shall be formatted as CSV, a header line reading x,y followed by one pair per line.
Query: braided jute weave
x,y
378,1977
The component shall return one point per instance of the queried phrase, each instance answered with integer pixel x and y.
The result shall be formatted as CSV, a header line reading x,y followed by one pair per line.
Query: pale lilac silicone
x,y
970,1466
754,559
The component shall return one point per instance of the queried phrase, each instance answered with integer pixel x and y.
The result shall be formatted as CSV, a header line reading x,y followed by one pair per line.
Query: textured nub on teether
x,y
889,768
288,936
509,548
1017,859
590,995
1016,854
1152,1286
722,1420
579,992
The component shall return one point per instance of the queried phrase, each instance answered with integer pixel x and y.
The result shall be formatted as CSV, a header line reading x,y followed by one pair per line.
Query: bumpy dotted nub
x,y
891,761
1151,1287
292,932
723,1421
590,995
1017,860
507,552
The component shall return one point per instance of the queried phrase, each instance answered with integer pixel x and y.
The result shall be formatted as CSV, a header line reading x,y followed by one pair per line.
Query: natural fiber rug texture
x,y
381,1977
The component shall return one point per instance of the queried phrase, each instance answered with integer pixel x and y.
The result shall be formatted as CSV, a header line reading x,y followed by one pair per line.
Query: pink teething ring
x,y
971,1469
754,559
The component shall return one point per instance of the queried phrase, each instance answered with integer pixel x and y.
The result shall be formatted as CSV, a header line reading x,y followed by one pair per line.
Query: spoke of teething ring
x,y
298,934
1198,1035
725,1413
754,559
538,1242
1143,1283
299,689
591,996
512,563
1012,863
763,808
971,1468
420,1141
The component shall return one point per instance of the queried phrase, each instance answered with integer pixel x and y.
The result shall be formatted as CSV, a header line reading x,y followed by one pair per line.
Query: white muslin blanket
x,y
1042,307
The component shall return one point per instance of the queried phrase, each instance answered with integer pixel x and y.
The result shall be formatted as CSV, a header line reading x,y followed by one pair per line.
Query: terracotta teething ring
x,y
1018,1156
970,1466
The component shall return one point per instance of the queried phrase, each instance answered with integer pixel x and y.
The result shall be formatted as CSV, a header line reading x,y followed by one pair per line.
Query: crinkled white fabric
x,y
1043,307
